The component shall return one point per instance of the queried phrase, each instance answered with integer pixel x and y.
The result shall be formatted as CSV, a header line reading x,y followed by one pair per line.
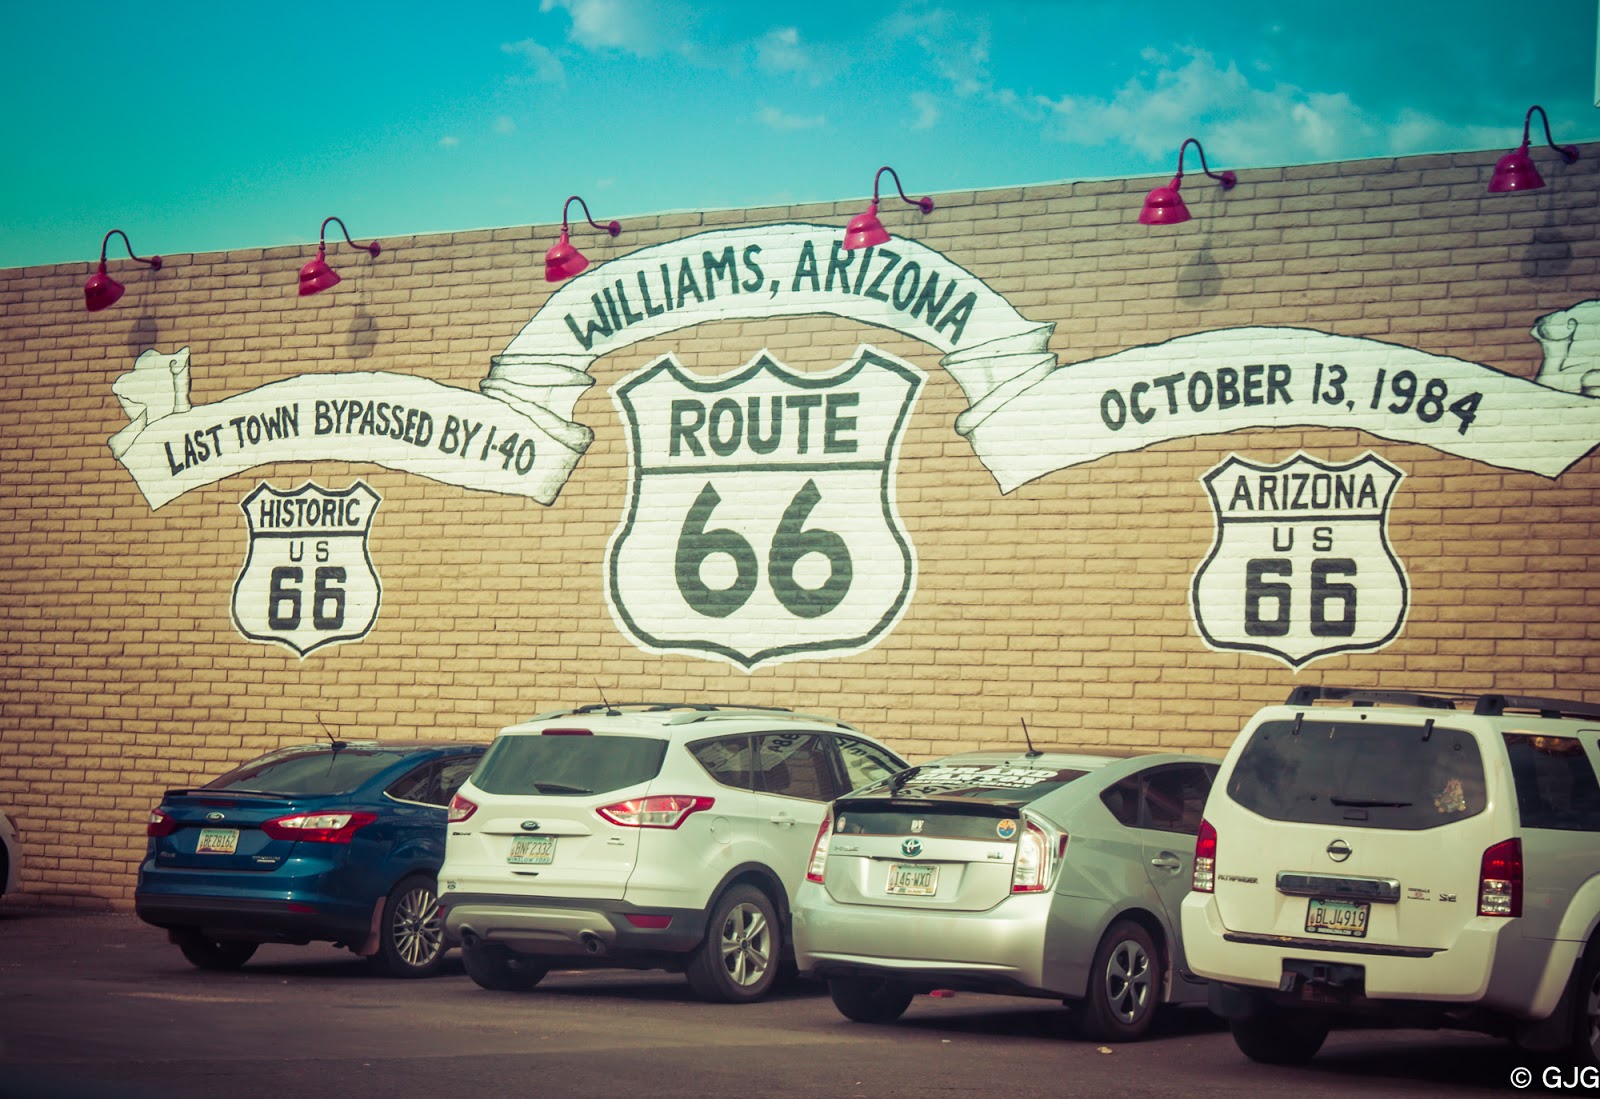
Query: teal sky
x,y
205,127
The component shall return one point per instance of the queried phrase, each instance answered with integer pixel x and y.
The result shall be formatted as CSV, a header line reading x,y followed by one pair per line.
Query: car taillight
x,y
1204,879
656,811
159,824
1036,860
461,809
566,732
1500,880
318,827
819,850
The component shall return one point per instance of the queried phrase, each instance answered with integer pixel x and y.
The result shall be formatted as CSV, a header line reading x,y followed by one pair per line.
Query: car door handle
x,y
1167,862
782,820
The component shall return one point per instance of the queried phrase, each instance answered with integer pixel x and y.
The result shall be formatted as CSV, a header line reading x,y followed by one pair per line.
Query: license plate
x,y
912,879
532,850
1348,918
217,841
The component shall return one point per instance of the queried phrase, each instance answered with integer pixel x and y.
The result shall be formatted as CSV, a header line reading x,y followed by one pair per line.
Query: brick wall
x,y
1064,602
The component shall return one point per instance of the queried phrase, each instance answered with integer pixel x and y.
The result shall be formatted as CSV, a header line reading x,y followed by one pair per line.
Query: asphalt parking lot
x,y
100,1006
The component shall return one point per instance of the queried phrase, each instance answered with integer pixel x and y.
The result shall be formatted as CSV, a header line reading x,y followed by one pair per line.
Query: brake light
x,y
461,809
656,811
1500,880
318,827
566,732
819,850
159,824
1204,879
1036,860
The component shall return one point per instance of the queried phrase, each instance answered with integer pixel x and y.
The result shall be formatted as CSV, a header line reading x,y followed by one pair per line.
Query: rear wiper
x,y
560,788
1369,803
902,778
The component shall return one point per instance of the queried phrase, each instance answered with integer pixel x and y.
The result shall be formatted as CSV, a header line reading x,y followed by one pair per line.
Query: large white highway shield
x,y
1301,566
761,523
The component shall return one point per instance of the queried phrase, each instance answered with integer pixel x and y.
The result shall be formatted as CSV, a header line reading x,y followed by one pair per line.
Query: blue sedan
x,y
333,842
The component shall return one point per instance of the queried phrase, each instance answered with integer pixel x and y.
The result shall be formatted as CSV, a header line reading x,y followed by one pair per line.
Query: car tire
x,y
411,930
866,1000
1586,1013
1284,1037
500,970
204,952
738,961
1124,986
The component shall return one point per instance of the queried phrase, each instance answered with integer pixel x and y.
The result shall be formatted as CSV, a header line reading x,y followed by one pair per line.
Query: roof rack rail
x,y
1483,705
649,707
778,712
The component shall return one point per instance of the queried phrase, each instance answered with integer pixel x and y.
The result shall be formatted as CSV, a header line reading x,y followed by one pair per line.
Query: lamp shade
x,y
1515,172
865,230
101,291
1164,206
563,261
317,276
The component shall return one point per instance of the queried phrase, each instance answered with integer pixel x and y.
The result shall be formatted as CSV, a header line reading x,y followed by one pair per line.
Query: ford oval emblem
x,y
530,826
911,847
1338,850
213,816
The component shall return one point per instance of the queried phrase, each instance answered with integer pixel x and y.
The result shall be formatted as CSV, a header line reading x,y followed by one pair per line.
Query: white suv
x,y
645,835
1423,860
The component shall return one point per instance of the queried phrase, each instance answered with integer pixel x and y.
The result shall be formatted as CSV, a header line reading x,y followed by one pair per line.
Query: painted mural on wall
x,y
761,522
788,518
1301,565
308,579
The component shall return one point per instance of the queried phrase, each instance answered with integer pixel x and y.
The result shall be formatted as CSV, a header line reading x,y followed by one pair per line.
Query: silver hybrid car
x,y
1045,874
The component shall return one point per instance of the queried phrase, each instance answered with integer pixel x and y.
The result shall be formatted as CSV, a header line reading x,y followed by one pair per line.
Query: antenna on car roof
x,y
336,744
602,692
1032,752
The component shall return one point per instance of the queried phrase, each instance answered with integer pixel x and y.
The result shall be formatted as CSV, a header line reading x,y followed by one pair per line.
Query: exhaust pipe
x,y
593,944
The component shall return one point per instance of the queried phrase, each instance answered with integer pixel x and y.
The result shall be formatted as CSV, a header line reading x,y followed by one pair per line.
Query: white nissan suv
x,y
645,835
1414,859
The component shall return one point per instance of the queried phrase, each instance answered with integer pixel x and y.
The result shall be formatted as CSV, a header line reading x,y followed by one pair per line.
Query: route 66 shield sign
x,y
1301,566
761,523
308,579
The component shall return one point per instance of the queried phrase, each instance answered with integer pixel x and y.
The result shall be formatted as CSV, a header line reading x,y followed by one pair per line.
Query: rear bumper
x,y
1000,950
290,921
1489,966
564,927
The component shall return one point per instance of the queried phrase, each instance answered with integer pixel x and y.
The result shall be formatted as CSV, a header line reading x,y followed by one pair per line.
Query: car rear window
x,y
570,766
1556,786
306,772
1360,774
1008,784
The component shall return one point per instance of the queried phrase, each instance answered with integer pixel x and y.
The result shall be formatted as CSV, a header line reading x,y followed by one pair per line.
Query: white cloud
x,y
546,66
1241,122
449,142
633,26
927,108
780,50
778,120
505,124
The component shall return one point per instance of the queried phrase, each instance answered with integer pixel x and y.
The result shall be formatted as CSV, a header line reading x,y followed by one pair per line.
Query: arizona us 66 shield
x,y
308,579
761,522
1301,566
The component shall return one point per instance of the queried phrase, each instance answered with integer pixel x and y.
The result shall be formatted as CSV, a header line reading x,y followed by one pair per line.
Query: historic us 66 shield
x,y
761,522
307,579
1301,566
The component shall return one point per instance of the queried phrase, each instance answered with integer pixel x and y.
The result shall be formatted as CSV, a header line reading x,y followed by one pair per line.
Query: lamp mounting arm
x,y
153,261
925,204
1569,153
1227,179
322,236
613,227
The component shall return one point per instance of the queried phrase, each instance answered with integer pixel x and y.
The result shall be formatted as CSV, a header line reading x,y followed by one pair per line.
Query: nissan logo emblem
x,y
1338,850
213,816
530,826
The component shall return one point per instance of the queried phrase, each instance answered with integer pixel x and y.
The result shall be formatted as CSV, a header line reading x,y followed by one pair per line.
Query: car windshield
x,y
569,766
1360,774
304,772
1013,784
